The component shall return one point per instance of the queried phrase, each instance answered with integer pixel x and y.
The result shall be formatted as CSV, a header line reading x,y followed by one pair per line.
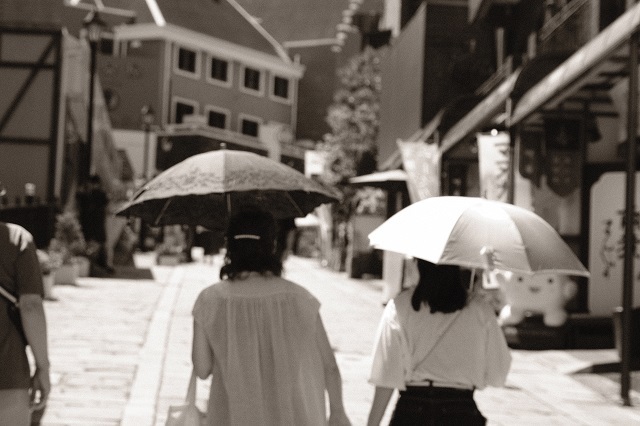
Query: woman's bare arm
x,y
379,405
201,354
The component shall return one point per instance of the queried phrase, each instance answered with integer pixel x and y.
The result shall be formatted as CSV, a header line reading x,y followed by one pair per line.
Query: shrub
x,y
68,240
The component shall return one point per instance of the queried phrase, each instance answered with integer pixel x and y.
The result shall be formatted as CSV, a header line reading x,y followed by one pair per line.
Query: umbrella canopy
x,y
205,188
463,230
389,179
385,176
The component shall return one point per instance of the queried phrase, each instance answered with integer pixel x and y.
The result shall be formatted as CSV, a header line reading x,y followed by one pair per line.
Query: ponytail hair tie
x,y
246,237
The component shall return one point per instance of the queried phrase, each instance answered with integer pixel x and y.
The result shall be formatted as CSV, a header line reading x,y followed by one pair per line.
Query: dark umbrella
x,y
205,188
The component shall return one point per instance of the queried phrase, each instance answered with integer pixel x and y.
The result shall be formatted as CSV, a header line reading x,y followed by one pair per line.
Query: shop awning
x,y
480,114
588,73
377,177
423,134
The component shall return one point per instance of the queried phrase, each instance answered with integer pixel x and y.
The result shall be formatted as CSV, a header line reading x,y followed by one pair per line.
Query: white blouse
x,y
472,351
267,368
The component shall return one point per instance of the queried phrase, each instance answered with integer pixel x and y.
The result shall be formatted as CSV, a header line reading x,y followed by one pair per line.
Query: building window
x,y
249,127
187,60
217,119
181,109
252,79
219,69
107,46
281,87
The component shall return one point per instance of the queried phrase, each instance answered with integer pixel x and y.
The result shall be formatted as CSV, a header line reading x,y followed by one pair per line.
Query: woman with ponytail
x,y
261,338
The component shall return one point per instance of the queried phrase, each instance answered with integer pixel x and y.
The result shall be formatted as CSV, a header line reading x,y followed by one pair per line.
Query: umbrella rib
x,y
164,208
294,203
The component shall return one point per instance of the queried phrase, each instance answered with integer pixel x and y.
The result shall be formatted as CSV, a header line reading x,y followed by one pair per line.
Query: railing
x,y
290,149
496,78
567,30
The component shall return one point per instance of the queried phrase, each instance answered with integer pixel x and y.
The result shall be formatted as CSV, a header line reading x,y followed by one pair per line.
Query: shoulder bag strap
x,y
10,297
439,338
191,390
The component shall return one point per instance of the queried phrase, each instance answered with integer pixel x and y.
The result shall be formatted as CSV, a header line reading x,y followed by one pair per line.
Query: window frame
x,y
229,82
220,110
178,99
289,99
243,88
176,63
248,117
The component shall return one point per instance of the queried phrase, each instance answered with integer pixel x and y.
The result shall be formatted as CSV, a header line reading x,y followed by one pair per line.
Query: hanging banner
x,y
606,244
563,162
271,135
530,156
494,159
421,161
619,95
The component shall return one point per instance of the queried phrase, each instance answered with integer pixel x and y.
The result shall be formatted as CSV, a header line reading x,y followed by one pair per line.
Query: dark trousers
x,y
428,405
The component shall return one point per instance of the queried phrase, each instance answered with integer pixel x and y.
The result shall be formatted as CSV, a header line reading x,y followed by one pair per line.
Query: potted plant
x,y
48,265
68,244
171,251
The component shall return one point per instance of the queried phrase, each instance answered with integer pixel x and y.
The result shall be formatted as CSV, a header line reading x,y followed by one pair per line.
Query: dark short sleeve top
x,y
19,274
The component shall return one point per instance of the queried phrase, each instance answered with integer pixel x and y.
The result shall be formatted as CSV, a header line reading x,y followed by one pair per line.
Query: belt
x,y
437,384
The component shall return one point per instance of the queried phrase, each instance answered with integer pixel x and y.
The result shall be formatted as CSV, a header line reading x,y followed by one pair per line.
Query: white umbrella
x,y
462,230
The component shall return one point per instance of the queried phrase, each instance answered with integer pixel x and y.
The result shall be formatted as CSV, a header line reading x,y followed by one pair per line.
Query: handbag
x,y
13,311
186,414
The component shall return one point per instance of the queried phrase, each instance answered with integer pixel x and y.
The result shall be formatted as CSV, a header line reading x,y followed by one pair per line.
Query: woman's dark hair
x,y
251,245
441,287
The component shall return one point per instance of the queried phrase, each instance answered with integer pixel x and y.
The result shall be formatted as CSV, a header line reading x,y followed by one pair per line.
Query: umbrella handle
x,y
490,256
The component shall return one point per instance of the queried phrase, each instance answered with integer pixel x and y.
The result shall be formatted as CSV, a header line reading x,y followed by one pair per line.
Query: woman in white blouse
x,y
262,339
436,344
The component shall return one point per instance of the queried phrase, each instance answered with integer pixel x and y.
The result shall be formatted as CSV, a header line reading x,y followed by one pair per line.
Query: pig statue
x,y
541,293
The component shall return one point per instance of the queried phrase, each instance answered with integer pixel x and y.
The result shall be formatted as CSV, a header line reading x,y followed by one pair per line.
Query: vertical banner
x,y
421,161
619,94
563,162
530,156
494,164
606,244
269,135
314,163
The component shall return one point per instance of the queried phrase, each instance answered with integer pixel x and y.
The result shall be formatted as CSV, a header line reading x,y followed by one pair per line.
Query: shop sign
x,y
530,157
421,161
494,153
606,244
563,161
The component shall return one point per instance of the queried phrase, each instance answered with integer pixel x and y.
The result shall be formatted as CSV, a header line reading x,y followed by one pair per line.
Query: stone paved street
x,y
120,353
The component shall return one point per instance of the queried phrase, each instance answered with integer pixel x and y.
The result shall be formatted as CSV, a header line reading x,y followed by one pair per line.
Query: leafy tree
x,y
350,148
354,120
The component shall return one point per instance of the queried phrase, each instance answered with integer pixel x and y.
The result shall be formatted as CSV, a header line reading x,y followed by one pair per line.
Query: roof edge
x,y
187,37
276,45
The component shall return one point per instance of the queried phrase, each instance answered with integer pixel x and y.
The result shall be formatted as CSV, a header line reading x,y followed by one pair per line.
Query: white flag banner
x,y
269,135
421,161
494,164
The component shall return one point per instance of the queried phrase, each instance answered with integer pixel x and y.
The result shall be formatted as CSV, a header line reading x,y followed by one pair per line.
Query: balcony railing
x,y
496,78
567,30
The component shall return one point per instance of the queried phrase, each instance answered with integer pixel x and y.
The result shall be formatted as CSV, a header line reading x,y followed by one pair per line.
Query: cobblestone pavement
x,y
120,353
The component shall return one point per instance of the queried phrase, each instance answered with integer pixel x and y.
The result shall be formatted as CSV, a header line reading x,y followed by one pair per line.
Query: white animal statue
x,y
541,293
